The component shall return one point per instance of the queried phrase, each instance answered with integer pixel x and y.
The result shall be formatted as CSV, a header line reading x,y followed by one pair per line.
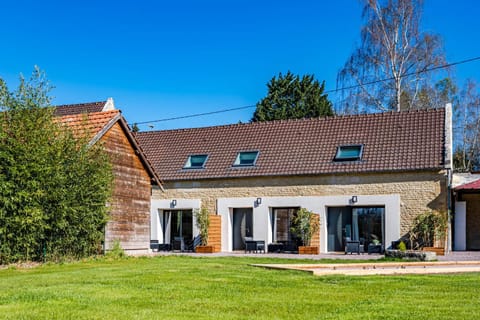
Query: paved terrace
x,y
454,262
453,256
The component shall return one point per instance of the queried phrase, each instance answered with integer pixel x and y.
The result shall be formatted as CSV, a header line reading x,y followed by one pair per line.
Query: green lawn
x,y
176,287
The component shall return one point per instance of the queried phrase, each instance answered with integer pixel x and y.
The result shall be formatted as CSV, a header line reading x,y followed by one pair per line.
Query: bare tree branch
x,y
392,46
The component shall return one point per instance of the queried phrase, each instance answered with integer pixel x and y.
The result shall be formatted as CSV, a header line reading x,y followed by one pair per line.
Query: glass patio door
x,y
181,223
339,227
364,224
281,224
242,227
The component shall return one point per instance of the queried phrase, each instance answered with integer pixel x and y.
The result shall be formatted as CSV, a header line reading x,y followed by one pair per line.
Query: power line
x,y
197,114
405,75
328,91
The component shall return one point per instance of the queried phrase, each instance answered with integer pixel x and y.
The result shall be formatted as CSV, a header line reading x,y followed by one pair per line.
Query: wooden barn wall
x,y
130,205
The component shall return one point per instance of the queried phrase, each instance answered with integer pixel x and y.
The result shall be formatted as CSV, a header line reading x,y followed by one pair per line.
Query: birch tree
x,y
392,47
467,129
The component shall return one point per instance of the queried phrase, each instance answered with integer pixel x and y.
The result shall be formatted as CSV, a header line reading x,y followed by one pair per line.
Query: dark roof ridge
x,y
324,118
81,104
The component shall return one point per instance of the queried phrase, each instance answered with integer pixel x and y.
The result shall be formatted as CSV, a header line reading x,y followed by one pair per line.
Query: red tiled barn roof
x,y
94,125
412,140
89,124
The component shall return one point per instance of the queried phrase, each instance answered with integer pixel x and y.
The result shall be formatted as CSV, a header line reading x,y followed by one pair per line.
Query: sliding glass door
x,y
242,227
281,224
181,222
364,224
368,225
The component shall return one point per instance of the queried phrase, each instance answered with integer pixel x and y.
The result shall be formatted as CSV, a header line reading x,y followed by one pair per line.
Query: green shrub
x,y
428,228
305,224
203,224
53,186
117,252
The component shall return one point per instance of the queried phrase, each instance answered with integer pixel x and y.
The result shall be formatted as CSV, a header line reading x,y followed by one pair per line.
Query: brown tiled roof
x,y
412,140
70,109
94,125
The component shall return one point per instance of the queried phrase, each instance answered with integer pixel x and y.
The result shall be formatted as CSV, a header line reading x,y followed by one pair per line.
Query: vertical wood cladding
x,y
215,232
315,241
130,204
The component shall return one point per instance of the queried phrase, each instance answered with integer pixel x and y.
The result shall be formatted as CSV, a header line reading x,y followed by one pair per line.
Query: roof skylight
x,y
196,161
247,158
349,153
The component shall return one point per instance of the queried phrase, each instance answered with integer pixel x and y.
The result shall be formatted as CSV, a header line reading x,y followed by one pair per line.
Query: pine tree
x,y
292,97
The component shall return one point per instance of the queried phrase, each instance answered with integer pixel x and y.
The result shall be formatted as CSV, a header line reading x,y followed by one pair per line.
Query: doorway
x,y
363,224
181,223
242,227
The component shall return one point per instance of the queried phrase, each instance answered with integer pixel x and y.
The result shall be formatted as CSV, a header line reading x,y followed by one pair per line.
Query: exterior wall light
x,y
354,199
174,203
258,201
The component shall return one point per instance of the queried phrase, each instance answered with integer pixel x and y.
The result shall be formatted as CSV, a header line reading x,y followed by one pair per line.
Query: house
x,y
366,176
133,175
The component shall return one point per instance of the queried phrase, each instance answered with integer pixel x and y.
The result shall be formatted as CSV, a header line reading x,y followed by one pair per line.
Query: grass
x,y
179,287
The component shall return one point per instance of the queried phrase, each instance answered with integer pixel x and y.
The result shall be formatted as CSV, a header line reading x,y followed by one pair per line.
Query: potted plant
x,y
305,224
203,224
429,231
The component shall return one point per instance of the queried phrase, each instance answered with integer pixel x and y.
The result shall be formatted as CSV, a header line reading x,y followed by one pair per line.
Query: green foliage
x,y
53,187
305,224
427,229
402,246
135,128
117,252
203,224
292,97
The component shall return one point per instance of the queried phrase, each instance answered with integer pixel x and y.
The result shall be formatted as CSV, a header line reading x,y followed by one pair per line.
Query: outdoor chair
x,y
196,242
164,247
178,244
154,246
375,248
254,245
352,246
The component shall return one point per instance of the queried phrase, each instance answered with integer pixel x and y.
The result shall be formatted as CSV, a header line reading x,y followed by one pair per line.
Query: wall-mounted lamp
x,y
354,199
174,203
258,201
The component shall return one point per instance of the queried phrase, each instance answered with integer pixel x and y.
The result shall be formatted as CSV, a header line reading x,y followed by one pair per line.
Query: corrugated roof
x,y
471,186
79,108
412,140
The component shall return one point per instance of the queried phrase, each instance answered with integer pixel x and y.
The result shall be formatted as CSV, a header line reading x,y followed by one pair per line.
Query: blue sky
x,y
161,59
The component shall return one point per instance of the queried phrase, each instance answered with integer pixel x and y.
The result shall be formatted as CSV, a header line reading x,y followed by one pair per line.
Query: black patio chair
x,y
154,246
352,246
178,244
